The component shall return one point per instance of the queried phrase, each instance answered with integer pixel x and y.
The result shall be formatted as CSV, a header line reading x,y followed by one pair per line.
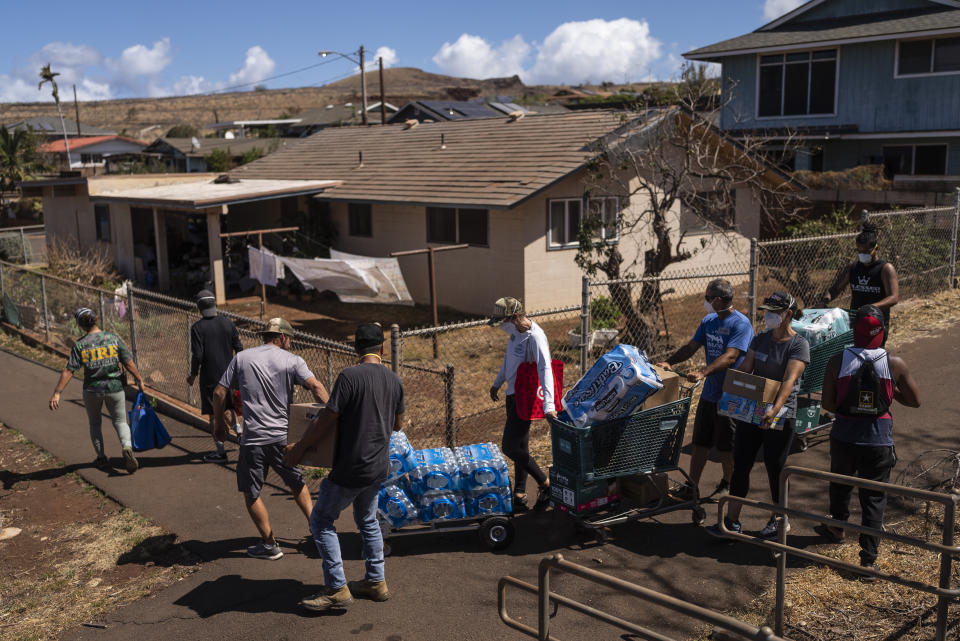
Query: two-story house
x,y
857,82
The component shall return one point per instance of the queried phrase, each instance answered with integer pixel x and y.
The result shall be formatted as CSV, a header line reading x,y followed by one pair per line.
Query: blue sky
x,y
131,48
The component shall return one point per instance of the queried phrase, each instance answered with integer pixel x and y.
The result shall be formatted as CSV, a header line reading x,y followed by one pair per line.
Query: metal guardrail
x,y
546,598
947,550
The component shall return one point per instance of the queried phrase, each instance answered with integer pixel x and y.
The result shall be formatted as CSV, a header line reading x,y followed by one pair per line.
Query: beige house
x,y
513,189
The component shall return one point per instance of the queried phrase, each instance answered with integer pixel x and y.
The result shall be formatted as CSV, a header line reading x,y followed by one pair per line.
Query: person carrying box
x,y
777,354
859,385
266,376
725,334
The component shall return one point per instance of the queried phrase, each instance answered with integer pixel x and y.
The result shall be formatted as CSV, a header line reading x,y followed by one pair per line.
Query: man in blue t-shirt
x,y
725,336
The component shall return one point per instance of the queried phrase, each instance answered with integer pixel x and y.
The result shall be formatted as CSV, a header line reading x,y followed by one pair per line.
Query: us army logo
x,y
866,400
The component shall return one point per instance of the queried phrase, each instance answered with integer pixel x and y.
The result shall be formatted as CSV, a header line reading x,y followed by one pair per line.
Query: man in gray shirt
x,y
266,376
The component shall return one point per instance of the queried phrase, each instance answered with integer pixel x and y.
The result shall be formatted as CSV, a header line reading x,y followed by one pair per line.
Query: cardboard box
x,y
670,391
302,416
644,488
746,397
570,494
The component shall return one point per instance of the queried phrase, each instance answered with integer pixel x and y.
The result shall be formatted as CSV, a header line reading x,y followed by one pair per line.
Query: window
x,y
101,215
921,57
565,217
915,160
91,159
797,84
455,226
708,211
360,219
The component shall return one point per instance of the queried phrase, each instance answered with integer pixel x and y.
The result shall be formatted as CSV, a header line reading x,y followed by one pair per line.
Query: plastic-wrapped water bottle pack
x,y
440,483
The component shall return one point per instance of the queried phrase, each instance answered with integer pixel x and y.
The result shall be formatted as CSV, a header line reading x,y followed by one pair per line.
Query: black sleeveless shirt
x,y
866,285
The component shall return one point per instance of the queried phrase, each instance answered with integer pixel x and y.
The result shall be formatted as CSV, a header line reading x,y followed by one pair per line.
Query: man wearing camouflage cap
x,y
265,376
528,344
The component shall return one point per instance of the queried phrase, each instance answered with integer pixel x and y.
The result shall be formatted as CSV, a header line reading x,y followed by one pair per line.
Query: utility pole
x,y
363,89
76,110
383,100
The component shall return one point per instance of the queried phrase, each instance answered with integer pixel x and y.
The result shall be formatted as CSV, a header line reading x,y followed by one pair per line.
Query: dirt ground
x,y
78,553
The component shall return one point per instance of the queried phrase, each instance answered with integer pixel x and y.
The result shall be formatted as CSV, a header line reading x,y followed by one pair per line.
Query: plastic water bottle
x,y
493,500
394,506
482,466
402,459
436,470
441,505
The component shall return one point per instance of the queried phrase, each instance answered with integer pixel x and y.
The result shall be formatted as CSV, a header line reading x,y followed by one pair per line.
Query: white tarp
x,y
265,266
386,271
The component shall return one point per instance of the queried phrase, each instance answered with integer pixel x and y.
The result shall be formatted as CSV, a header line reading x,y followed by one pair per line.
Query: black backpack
x,y
865,394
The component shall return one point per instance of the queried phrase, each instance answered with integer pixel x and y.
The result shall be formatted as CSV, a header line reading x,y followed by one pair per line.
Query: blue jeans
x,y
116,403
331,501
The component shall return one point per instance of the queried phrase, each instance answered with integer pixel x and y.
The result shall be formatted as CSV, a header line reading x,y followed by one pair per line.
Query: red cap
x,y
868,331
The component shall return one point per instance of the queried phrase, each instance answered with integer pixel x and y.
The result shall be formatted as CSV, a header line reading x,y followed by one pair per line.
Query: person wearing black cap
x,y
365,406
859,385
873,281
102,356
780,354
213,342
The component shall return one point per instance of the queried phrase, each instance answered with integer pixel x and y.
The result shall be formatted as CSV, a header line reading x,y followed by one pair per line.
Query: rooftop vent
x,y
410,124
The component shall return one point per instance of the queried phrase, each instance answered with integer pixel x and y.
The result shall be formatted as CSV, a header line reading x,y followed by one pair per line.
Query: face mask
x,y
707,307
772,320
866,259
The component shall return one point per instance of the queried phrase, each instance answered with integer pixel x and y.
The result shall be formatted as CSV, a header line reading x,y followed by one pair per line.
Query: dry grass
x,y
919,317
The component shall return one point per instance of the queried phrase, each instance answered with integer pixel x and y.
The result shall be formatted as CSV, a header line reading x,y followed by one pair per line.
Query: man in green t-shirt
x,y
102,356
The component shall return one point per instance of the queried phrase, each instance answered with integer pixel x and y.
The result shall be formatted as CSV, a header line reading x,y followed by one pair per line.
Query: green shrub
x,y
604,313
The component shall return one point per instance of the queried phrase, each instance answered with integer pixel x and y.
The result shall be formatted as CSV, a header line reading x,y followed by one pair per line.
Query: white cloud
x,y
591,50
61,54
257,65
14,89
773,9
90,89
138,61
187,85
473,57
389,57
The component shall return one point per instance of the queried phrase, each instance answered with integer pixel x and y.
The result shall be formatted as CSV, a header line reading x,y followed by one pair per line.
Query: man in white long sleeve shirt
x,y
528,344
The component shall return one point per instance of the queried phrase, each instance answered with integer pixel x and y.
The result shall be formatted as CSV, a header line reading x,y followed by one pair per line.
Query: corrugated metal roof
x,y
859,27
490,162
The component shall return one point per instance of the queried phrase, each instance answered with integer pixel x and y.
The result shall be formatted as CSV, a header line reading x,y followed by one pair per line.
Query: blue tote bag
x,y
147,430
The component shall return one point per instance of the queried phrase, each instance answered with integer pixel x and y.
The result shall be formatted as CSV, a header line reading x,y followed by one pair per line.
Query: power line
x,y
261,81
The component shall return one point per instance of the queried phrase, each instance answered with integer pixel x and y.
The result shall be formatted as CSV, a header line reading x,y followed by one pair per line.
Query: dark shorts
x,y
206,399
252,468
711,429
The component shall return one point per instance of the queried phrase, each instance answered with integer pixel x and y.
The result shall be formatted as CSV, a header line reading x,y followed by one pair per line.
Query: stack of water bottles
x,y
437,484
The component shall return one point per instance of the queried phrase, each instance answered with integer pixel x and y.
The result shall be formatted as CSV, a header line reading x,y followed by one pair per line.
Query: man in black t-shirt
x,y
366,405
213,342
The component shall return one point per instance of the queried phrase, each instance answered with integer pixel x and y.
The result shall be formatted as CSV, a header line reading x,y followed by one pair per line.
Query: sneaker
x,y
373,590
772,529
264,550
543,499
733,526
834,534
867,578
520,504
722,489
130,461
685,492
102,462
328,598
215,457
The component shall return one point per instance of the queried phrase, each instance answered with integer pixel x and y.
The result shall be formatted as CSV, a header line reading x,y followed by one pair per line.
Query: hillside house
x,y
91,153
857,81
345,115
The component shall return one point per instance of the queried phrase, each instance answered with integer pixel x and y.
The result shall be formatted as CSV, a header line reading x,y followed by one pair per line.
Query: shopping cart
x,y
645,444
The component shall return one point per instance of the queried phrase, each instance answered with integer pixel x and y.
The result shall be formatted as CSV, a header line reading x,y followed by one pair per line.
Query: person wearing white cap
x,y
102,356
528,344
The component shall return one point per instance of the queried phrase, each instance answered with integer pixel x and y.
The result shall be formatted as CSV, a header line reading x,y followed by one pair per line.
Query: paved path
x,y
443,586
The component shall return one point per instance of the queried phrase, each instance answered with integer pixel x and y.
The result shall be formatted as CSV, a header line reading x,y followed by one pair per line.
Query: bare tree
x,y
46,75
661,161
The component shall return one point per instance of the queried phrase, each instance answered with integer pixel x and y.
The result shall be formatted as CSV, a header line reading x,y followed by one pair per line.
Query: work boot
x,y
373,590
130,461
328,598
102,462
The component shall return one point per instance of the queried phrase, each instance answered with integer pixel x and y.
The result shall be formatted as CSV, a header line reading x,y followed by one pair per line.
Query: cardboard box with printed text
x,y
302,416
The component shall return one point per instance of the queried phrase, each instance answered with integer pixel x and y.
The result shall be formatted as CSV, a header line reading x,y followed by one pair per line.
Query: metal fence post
x,y
754,274
133,326
23,246
329,370
186,317
395,348
46,316
946,562
953,239
584,321
451,421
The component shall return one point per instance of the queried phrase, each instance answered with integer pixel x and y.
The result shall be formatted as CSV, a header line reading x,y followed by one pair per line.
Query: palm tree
x,y
46,75
19,159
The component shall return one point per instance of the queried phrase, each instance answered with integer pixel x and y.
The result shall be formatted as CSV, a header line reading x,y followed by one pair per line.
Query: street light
x,y
363,78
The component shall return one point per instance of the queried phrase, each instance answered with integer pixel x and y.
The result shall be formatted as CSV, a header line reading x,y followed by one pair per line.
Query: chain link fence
x,y
24,245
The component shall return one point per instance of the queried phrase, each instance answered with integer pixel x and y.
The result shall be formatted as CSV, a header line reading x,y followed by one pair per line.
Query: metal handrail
x,y
947,550
546,598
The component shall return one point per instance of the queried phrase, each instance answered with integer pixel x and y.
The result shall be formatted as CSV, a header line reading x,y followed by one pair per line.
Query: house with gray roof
x,y
188,155
858,82
49,127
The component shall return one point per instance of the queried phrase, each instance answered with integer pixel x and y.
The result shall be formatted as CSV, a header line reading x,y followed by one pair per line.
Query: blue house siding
x,y
869,96
843,154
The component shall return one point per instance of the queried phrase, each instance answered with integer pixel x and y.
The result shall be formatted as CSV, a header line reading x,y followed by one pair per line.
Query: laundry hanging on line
x,y
265,266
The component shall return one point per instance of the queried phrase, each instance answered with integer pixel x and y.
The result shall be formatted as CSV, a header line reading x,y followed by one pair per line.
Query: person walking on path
x,y
873,281
365,406
859,385
103,357
528,344
780,354
725,335
213,342
266,376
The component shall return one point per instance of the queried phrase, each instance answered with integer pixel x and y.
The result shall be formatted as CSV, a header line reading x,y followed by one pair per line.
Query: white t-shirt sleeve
x,y
541,357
